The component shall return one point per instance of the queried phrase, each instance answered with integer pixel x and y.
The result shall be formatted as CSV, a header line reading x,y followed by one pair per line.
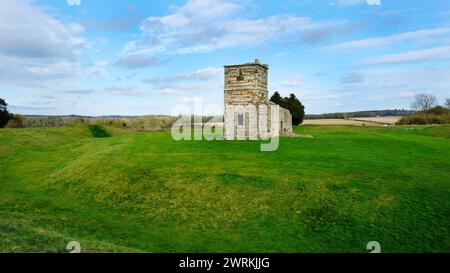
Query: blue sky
x,y
99,57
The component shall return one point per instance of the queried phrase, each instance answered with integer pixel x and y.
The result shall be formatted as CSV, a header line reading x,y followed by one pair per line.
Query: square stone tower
x,y
248,113
245,90
246,84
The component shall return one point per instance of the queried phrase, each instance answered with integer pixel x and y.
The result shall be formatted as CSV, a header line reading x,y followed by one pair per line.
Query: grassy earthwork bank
x,y
117,190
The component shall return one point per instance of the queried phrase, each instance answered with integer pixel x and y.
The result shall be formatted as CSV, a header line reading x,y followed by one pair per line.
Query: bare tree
x,y
423,102
447,103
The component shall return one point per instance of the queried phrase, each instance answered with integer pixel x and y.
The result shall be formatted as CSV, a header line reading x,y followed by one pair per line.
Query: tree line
x,y
362,114
428,111
292,104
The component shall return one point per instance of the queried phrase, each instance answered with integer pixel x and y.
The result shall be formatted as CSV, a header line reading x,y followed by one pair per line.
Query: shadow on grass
x,y
98,131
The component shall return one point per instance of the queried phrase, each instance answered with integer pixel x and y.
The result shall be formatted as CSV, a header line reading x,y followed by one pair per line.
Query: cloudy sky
x,y
102,57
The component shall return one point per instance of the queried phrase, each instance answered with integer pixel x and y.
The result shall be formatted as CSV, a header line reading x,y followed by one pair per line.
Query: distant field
x,y
382,120
126,191
374,121
335,122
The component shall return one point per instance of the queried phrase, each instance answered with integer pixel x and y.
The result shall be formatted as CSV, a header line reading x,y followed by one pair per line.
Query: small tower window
x,y
240,119
240,77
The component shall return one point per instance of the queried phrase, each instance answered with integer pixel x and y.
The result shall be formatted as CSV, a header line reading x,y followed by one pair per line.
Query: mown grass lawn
x,y
125,191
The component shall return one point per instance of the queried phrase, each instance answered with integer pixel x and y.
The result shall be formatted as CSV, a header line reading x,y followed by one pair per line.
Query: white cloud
x,y
357,2
431,53
129,91
202,74
28,32
295,82
137,61
168,91
350,2
36,46
353,78
207,25
73,2
179,89
373,2
79,91
378,42
34,72
419,78
99,69
324,32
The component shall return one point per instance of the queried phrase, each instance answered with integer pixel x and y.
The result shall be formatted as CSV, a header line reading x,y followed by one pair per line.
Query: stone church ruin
x,y
248,112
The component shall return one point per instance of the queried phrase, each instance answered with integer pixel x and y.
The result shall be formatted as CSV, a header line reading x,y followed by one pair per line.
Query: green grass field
x,y
125,191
